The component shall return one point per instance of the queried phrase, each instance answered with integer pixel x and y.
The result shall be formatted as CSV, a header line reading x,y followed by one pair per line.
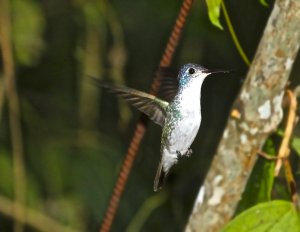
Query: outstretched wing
x,y
150,105
169,84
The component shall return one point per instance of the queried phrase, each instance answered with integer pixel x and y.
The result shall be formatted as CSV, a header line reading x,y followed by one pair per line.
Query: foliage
x,y
272,216
263,2
260,184
296,144
75,135
6,187
28,27
214,7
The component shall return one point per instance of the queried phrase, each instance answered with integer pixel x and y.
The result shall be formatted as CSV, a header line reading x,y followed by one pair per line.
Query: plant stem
x,y
14,112
233,35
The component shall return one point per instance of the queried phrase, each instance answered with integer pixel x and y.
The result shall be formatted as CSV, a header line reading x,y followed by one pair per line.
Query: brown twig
x,y
14,112
291,181
267,156
287,132
33,218
284,150
141,125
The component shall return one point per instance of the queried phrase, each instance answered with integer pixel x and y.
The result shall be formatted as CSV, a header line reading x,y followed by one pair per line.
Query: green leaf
x,y
6,182
296,145
214,12
280,132
260,183
264,2
27,31
275,216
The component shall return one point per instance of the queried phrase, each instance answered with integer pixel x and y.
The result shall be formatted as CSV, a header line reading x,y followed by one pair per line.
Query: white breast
x,y
186,127
181,132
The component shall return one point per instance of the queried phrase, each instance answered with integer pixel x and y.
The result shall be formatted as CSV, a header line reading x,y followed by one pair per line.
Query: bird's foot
x,y
189,152
179,155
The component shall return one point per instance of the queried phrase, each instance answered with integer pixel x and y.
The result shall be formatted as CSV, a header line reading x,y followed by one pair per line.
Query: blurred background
x,y
75,134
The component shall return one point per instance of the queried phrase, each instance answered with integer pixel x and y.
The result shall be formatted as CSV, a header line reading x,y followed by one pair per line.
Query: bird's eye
x,y
191,71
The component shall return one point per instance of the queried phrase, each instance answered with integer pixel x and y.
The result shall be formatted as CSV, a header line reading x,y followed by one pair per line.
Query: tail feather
x,y
160,177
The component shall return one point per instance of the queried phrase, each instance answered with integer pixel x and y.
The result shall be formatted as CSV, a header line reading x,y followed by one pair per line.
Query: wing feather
x,y
169,84
150,105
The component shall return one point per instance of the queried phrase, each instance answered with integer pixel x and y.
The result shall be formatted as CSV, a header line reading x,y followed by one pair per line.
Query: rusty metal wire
x,y
141,125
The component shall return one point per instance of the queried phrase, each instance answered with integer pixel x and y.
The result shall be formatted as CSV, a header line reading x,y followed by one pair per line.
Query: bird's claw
x,y
178,154
189,152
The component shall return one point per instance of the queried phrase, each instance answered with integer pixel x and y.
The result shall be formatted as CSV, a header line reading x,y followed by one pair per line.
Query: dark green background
x,y
72,162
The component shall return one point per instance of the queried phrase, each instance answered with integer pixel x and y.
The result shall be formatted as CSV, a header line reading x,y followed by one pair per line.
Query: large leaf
x,y
275,216
260,183
214,12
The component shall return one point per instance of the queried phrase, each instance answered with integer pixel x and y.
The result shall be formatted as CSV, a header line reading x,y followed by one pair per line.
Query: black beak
x,y
216,71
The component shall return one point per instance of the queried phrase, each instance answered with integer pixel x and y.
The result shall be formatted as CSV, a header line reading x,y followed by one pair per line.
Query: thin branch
x,y
260,110
284,150
291,182
141,125
287,132
233,35
33,218
267,156
14,110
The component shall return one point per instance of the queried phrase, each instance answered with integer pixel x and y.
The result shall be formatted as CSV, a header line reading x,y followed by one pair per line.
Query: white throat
x,y
192,91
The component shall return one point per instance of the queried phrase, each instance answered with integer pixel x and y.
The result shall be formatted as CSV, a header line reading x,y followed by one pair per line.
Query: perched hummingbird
x,y
179,115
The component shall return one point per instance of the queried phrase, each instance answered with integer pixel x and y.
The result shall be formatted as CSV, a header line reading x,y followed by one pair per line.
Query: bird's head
x,y
189,72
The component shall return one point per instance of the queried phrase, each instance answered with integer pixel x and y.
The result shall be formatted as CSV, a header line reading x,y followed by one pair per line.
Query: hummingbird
x,y
178,112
